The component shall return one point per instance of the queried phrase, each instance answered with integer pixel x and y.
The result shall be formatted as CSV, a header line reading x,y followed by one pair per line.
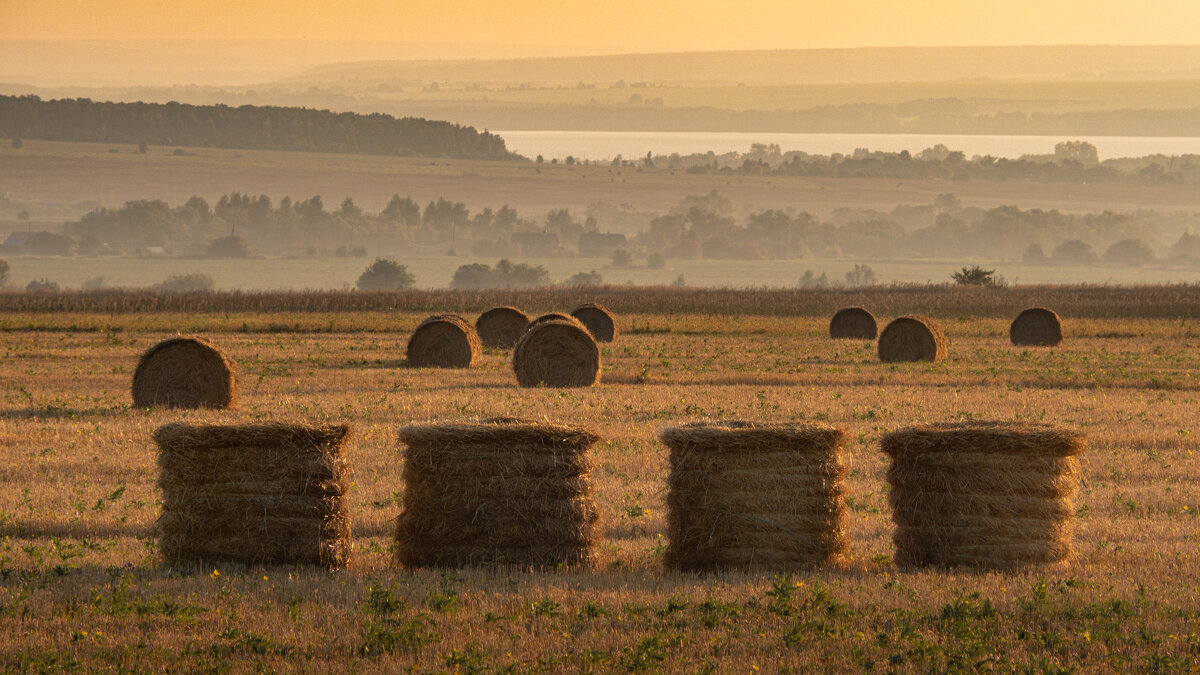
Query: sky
x,y
524,27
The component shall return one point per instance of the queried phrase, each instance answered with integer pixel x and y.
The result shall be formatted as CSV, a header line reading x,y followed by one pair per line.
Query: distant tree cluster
x,y
247,126
504,275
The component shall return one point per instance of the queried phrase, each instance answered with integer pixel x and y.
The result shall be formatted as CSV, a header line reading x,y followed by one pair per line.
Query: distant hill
x,y
800,66
247,126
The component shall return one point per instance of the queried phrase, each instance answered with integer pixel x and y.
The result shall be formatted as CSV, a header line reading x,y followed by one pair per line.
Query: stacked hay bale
x,y
444,341
986,494
598,320
747,495
853,323
184,372
496,492
264,493
557,354
912,338
1036,326
501,327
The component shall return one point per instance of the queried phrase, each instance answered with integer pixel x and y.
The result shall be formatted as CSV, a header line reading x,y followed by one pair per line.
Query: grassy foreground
x,y
82,588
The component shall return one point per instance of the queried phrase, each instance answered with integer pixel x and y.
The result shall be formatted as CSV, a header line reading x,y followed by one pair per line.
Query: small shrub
x,y
1034,255
186,283
592,278
385,275
656,261
1132,252
1074,251
811,280
3,272
232,246
622,258
975,276
42,285
861,275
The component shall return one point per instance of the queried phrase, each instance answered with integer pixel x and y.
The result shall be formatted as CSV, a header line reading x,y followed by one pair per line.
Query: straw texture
x,y
557,354
912,338
185,372
598,320
749,495
501,327
444,341
853,323
1036,327
264,493
496,492
992,495
554,316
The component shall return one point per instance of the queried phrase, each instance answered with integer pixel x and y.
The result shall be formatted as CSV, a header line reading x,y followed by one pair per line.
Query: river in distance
x,y
605,145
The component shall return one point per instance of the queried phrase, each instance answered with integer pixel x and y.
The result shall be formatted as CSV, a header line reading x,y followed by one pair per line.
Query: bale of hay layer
x,y
992,495
912,338
501,327
254,494
749,495
184,372
853,323
598,320
496,492
1036,326
444,341
557,354
554,316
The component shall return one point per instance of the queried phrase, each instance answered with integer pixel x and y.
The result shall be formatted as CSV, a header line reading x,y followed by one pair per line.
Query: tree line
x,y
699,226
244,127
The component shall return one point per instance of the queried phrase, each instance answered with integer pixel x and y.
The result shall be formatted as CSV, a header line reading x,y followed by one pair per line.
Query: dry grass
x,y
82,586
942,301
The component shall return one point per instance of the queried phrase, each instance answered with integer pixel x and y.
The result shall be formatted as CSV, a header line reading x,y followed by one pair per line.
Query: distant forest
x,y
244,127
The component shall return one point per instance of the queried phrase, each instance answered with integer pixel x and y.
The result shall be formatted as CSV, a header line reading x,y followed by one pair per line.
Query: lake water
x,y
601,145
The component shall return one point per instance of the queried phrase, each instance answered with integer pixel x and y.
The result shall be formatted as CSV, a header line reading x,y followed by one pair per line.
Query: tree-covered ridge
x,y
247,127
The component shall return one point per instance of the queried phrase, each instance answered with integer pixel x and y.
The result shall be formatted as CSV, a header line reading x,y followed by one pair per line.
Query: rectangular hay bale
x,y
253,494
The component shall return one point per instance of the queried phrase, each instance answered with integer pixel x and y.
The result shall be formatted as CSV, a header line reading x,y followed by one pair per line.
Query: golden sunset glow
x,y
617,25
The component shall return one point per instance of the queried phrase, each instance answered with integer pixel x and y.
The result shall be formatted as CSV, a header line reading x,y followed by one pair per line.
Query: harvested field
x,y
81,554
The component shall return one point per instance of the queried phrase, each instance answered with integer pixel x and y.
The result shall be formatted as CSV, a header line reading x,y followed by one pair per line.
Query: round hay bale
x,y
254,494
184,372
444,341
751,495
557,354
912,338
496,492
554,316
993,495
501,327
598,320
1036,326
853,323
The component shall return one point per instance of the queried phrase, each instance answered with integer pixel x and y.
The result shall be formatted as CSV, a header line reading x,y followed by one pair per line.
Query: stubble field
x,y
82,587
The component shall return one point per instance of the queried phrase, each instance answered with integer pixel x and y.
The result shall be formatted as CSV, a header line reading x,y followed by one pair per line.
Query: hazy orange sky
x,y
619,25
